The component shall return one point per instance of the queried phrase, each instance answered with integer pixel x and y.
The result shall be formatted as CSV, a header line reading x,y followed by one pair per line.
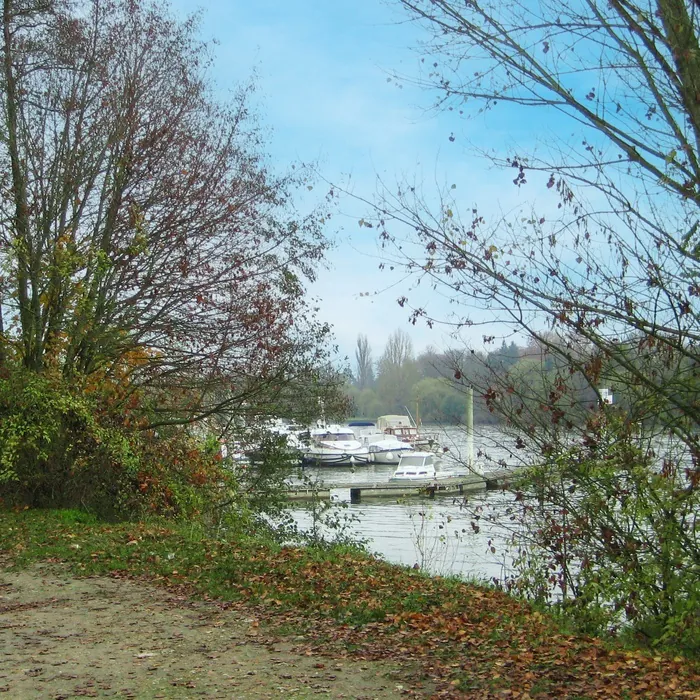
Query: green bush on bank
x,y
80,445
610,534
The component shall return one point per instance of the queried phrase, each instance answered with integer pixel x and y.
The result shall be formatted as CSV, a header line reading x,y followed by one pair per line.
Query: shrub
x,y
65,446
610,529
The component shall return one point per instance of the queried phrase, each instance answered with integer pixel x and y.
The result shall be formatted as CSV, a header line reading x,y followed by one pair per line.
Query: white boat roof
x,y
334,430
415,471
394,421
415,459
426,471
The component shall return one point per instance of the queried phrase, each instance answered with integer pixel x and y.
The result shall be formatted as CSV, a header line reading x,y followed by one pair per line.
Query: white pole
x,y
470,428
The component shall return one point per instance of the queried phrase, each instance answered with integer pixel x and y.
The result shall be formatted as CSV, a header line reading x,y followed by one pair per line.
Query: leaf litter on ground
x,y
457,638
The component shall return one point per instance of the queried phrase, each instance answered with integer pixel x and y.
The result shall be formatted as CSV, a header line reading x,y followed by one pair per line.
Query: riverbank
x,y
245,602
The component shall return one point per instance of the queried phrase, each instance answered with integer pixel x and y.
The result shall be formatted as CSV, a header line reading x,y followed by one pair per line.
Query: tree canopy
x,y
153,266
142,230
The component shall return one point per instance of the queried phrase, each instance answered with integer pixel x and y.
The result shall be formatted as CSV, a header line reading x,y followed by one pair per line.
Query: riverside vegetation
x,y
450,637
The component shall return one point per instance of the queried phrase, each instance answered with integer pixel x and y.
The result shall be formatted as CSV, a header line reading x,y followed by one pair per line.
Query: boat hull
x,y
334,459
334,446
390,456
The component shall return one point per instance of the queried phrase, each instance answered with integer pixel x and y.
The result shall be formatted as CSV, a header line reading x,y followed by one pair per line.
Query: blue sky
x,y
324,93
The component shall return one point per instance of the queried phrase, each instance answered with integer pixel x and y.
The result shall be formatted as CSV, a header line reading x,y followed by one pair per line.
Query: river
x,y
445,536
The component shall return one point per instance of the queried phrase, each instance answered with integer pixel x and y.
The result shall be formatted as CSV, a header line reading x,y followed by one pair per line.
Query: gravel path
x,y
62,637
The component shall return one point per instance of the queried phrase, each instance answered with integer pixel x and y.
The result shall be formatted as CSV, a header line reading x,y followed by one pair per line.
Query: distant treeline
x,y
424,384
433,385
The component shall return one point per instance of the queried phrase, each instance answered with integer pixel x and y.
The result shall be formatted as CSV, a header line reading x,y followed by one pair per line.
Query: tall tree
x,y
397,372
617,264
365,366
506,356
143,234
397,352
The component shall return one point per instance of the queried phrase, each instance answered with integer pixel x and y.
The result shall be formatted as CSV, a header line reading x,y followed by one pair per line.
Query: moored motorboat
x,y
262,436
405,429
421,467
288,432
383,448
386,449
334,446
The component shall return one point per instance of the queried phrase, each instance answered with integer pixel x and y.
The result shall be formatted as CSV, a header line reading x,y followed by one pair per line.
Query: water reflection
x,y
441,536
437,535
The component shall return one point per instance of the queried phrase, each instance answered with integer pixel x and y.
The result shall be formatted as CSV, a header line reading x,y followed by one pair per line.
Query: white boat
x,y
383,448
404,428
334,446
421,467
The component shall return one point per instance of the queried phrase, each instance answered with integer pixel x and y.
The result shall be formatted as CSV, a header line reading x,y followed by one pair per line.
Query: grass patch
x,y
465,636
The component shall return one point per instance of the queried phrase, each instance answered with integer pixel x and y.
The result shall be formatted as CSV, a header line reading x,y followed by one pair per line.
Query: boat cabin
x,y
415,465
333,434
403,428
404,433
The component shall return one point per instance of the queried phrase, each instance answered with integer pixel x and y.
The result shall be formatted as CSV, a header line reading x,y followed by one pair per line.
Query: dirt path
x,y
62,637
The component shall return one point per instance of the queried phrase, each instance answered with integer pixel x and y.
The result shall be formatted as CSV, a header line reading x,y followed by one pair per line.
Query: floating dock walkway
x,y
357,492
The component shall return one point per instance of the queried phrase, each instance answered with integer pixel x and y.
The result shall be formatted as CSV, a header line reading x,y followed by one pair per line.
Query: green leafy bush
x,y
610,532
72,445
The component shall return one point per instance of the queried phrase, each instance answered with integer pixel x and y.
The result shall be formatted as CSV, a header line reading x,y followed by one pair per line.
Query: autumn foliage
x,y
64,445
153,265
449,639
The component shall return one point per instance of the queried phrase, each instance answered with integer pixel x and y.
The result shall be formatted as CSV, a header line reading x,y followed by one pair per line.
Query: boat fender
x,y
389,456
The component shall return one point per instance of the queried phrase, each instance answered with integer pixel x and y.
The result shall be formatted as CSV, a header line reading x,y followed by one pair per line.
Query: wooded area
x,y
430,387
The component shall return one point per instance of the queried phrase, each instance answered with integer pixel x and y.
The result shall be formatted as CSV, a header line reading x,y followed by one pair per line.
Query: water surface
x,y
446,535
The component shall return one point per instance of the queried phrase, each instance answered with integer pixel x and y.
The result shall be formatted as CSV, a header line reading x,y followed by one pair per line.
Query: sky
x,y
326,95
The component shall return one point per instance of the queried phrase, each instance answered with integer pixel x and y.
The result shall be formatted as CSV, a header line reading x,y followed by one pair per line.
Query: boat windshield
x,y
336,437
413,461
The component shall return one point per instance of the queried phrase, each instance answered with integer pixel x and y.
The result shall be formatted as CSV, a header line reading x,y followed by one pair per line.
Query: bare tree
x,y
365,365
615,270
601,270
397,371
398,350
